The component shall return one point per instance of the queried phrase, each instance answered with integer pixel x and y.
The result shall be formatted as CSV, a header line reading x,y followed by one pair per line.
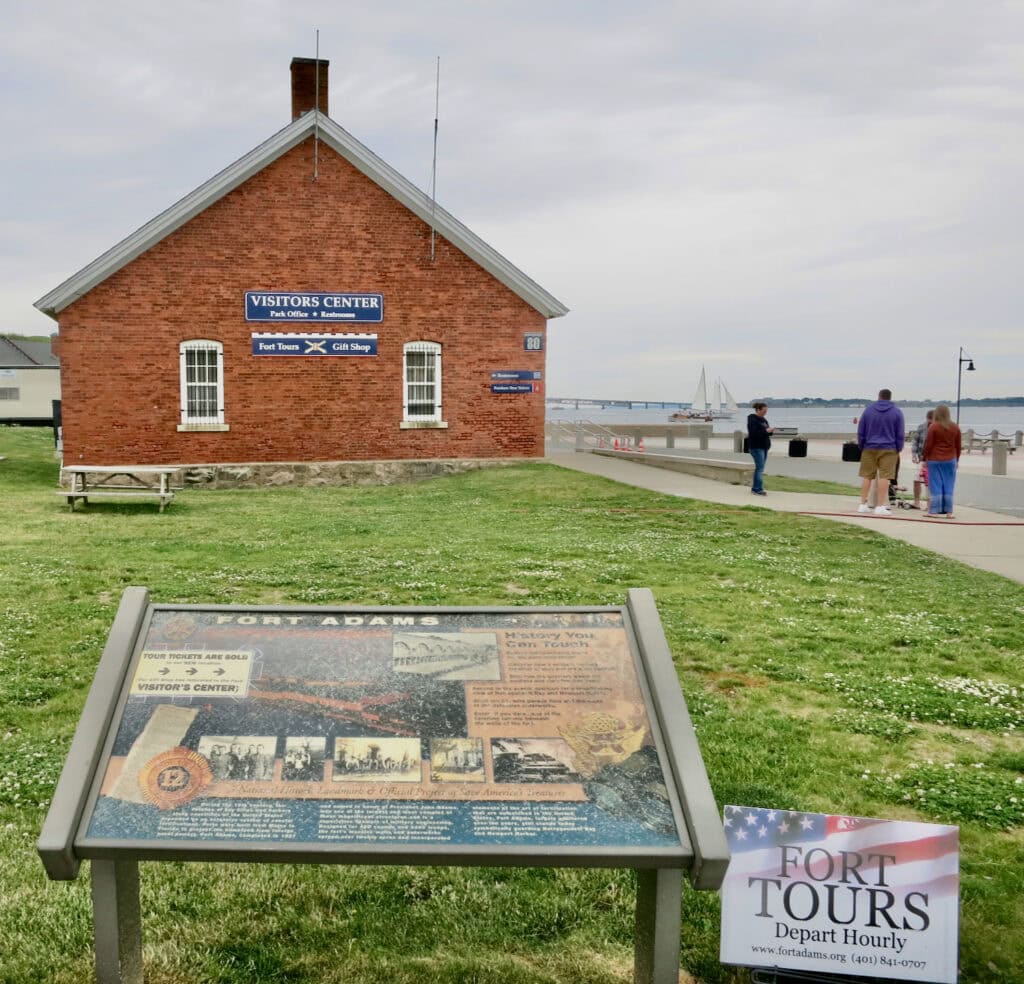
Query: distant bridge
x,y
581,403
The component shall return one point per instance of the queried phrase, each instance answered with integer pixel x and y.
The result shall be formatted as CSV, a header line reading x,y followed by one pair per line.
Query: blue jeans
x,y
760,456
941,480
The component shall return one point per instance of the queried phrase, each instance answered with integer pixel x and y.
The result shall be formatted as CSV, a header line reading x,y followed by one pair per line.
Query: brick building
x,y
305,305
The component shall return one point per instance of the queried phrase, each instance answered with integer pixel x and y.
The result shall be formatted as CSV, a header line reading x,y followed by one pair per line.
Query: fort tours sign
x,y
841,895
313,344
306,306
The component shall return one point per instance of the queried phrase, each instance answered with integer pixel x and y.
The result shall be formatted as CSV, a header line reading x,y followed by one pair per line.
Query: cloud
x,y
807,196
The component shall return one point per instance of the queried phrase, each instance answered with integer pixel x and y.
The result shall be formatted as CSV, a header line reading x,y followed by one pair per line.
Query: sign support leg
x,y
659,898
117,922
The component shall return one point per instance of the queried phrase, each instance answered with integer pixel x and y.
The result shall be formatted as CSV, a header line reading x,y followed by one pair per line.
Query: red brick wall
x,y
283,231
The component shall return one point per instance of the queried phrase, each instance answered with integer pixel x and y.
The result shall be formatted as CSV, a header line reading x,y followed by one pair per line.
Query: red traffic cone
x,y
616,444
640,445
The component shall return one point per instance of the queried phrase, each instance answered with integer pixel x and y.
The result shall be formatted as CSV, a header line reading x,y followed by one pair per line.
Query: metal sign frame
x,y
701,850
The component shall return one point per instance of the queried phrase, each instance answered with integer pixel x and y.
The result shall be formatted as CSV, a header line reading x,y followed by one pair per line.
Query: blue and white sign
x,y
304,306
304,343
533,341
511,387
516,374
830,894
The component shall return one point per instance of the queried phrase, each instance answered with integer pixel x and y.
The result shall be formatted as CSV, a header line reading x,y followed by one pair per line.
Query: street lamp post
x,y
959,373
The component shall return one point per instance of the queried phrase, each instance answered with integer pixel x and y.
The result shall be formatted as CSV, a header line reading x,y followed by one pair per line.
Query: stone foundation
x,y
394,472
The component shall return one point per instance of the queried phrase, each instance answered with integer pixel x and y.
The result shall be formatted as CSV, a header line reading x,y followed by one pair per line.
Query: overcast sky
x,y
809,197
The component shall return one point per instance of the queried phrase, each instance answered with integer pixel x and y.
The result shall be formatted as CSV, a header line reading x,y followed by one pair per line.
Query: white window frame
x,y
434,417
208,421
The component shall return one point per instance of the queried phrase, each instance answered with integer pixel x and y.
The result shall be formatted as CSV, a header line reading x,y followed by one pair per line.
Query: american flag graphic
x,y
927,855
847,895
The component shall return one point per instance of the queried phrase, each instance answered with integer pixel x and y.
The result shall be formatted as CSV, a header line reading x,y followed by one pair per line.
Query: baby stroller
x,y
895,502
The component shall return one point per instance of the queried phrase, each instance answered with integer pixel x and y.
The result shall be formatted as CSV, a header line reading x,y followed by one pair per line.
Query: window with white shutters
x,y
421,400
202,384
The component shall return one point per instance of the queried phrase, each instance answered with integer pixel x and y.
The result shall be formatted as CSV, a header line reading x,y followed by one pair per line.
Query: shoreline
x,y
1007,420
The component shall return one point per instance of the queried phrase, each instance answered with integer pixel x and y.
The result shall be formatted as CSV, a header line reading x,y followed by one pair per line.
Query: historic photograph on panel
x,y
378,759
456,760
304,759
235,757
532,760
447,655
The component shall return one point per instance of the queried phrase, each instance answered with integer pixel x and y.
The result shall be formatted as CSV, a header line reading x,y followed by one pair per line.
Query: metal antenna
x,y
316,111
433,169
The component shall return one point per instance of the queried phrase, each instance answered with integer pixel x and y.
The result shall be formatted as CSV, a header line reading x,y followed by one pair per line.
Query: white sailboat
x,y
703,409
699,405
728,406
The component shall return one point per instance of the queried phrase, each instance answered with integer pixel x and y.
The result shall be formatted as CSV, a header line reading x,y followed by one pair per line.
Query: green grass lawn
x,y
783,483
826,668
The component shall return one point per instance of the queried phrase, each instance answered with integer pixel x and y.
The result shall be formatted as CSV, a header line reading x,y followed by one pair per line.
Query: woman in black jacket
x,y
758,443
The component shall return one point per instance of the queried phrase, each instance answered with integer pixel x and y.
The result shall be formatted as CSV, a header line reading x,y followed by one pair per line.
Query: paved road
x,y
981,538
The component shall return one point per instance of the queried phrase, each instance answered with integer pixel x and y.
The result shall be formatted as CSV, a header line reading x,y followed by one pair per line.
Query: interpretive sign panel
x,y
841,895
357,730
533,736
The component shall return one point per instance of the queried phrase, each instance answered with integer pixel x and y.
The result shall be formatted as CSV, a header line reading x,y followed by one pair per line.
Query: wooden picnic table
x,y
125,481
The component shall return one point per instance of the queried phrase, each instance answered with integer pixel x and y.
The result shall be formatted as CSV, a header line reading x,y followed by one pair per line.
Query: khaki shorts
x,y
878,463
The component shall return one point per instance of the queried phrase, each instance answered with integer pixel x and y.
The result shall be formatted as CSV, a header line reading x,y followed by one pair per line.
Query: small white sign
x,y
841,895
190,673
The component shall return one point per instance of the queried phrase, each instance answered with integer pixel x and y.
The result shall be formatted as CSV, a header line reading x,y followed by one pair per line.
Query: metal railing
x,y
581,435
974,441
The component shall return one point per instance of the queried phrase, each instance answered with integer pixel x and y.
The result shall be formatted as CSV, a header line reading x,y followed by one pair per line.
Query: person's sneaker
x,y
759,491
863,507
883,511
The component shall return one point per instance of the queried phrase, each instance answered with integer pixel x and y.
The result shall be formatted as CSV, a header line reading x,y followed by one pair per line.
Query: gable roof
x,y
361,157
25,352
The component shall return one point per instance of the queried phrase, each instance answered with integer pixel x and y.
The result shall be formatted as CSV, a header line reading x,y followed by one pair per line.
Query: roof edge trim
x,y
225,181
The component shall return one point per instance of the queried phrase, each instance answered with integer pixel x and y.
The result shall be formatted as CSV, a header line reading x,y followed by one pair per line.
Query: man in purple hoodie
x,y
880,434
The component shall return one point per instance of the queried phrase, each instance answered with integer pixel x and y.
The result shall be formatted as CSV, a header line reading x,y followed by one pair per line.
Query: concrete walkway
x,y
981,538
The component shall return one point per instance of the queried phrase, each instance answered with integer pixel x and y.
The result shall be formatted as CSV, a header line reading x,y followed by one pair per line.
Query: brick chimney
x,y
304,85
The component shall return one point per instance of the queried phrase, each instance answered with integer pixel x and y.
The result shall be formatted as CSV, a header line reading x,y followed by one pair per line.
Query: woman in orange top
x,y
941,452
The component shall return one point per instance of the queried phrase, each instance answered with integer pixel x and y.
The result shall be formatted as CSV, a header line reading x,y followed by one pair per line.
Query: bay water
x,y
811,420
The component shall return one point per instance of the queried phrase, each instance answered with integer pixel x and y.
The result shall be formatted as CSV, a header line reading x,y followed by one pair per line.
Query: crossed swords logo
x,y
315,347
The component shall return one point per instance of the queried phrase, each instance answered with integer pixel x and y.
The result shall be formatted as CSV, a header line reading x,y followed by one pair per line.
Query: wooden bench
x,y
717,469
137,481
